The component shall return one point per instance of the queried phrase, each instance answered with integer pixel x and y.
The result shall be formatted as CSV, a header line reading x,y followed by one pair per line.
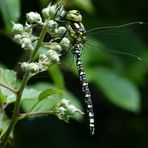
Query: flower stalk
x,y
20,91
8,88
58,41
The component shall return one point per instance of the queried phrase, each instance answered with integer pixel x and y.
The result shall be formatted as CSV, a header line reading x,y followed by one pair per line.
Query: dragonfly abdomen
x,y
85,88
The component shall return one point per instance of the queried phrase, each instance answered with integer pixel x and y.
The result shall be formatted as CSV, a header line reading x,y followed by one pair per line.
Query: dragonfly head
x,y
73,15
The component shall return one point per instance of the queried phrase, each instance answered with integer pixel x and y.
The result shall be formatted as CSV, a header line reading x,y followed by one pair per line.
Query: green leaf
x,y
48,92
8,78
4,122
66,94
44,105
30,93
57,76
42,86
2,100
10,10
85,5
118,90
44,3
31,97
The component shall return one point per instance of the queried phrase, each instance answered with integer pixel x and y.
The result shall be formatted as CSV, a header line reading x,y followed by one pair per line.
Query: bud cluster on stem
x,y
32,41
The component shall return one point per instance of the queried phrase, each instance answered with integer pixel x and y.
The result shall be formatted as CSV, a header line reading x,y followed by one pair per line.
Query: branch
x,y
9,88
37,114
19,94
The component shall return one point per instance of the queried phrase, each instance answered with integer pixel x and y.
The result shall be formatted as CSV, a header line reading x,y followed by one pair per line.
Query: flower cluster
x,y
45,37
64,110
28,37
23,35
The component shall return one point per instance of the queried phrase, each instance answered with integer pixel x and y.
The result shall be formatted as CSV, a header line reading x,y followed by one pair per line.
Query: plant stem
x,y
36,114
27,113
20,91
16,111
9,88
39,43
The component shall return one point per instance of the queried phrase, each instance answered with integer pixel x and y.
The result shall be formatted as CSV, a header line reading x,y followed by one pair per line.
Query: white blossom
x,y
33,17
17,28
61,30
64,110
45,13
65,43
53,56
26,43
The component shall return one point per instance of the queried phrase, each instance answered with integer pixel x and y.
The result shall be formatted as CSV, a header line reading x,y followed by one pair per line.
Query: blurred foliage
x,y
118,82
10,10
118,90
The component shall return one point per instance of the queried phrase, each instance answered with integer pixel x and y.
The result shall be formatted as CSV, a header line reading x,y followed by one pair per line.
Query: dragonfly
x,y
77,34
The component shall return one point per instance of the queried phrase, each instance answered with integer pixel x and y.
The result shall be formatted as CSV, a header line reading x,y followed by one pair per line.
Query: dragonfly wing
x,y
127,40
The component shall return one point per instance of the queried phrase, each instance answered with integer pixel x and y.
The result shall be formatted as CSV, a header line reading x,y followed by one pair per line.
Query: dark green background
x,y
115,127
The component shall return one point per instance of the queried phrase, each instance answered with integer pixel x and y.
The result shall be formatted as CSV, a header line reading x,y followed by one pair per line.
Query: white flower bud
x,y
61,30
33,68
17,28
52,24
61,114
56,47
45,13
71,110
62,13
44,60
64,110
33,17
43,57
52,10
54,13
64,103
30,67
18,38
25,35
24,66
53,56
28,27
61,110
26,44
65,43
52,27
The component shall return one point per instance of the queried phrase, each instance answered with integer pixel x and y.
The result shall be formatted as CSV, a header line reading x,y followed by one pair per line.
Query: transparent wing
x,y
123,49
127,41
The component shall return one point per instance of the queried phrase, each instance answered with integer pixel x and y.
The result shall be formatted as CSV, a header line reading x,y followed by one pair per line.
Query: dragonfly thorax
x,y
75,28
